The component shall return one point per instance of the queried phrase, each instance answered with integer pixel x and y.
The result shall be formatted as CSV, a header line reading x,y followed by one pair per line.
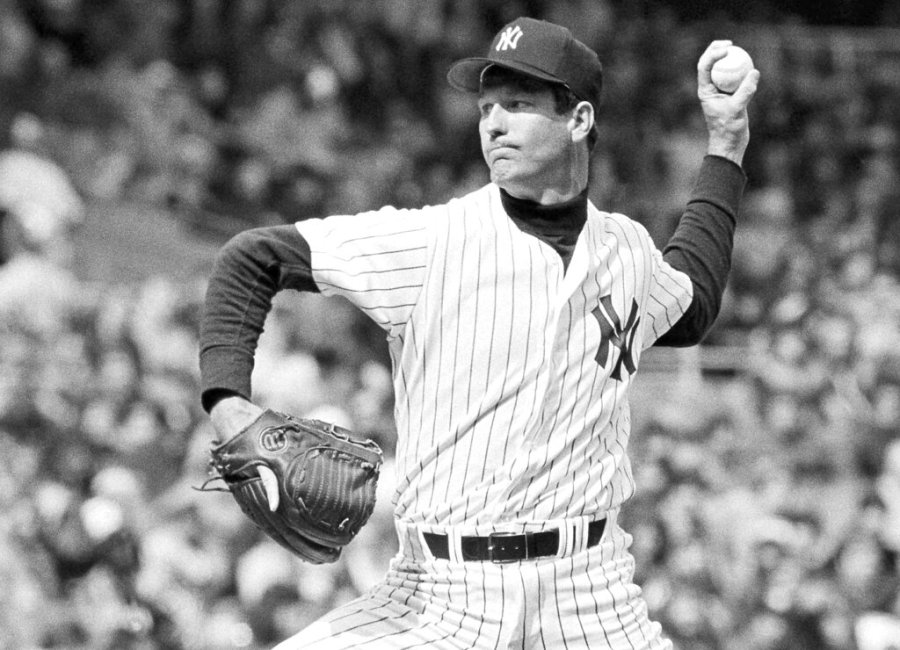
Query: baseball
x,y
729,71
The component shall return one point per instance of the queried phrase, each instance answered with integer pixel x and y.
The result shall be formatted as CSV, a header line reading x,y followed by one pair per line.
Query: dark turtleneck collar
x,y
557,225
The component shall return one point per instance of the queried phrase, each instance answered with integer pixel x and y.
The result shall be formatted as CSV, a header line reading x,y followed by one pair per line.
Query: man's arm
x,y
702,243
249,270
701,247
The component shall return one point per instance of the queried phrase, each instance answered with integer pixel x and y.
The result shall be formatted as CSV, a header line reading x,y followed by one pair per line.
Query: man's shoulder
x,y
615,222
598,216
479,195
477,203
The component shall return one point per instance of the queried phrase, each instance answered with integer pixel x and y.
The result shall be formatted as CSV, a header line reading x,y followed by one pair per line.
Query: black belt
x,y
508,547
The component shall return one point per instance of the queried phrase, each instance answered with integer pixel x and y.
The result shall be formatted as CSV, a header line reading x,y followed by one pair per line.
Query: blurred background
x,y
136,137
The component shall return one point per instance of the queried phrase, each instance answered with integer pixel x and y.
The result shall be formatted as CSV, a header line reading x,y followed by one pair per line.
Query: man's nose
x,y
494,122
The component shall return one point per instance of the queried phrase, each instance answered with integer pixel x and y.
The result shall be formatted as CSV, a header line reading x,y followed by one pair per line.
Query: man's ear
x,y
582,121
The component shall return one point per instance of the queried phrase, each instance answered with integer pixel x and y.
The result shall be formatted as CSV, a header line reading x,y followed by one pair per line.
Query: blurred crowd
x,y
767,515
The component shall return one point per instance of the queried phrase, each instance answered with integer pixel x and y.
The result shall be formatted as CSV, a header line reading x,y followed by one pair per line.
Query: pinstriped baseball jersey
x,y
511,372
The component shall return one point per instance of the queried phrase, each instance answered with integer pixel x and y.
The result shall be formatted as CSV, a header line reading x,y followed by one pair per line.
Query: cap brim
x,y
465,74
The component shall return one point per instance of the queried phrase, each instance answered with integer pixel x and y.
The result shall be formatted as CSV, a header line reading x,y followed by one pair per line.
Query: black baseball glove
x,y
307,484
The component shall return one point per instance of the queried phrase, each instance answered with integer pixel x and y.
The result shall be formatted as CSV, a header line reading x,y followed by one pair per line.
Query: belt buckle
x,y
497,549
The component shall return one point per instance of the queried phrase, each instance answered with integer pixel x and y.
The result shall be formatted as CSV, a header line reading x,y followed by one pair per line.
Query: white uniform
x,y
511,376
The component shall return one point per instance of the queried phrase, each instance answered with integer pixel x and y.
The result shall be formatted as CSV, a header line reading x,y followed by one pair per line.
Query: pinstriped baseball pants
x,y
584,599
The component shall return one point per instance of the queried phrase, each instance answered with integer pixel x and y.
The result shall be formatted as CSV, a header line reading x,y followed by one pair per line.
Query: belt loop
x,y
565,536
412,542
454,535
582,535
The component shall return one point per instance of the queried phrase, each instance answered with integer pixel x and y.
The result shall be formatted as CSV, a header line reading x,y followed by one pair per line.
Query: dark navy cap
x,y
538,49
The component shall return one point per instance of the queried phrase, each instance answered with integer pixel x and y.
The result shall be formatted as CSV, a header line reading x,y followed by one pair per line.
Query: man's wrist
x,y
732,152
231,415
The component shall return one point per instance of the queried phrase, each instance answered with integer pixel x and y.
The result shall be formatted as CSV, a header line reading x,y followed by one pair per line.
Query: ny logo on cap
x,y
509,38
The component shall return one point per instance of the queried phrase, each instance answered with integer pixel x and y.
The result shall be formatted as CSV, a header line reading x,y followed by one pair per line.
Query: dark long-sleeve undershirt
x,y
701,247
249,270
256,264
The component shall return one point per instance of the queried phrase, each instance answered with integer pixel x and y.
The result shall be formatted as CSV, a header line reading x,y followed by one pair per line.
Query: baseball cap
x,y
539,49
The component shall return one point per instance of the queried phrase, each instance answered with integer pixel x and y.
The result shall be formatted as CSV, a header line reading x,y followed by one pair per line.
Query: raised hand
x,y
726,114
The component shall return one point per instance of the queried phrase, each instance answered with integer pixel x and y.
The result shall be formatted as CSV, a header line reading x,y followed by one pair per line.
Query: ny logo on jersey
x,y
509,38
614,333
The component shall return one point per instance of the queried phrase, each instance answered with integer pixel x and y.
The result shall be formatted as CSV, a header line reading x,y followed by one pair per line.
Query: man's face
x,y
527,145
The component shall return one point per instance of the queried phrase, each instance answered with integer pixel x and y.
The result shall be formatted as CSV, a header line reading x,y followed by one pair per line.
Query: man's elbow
x,y
693,326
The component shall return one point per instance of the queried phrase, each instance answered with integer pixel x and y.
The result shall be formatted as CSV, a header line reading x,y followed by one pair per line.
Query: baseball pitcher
x,y
515,318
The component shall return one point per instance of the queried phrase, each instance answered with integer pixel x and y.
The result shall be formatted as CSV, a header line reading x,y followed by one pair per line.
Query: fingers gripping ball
x,y
307,484
728,72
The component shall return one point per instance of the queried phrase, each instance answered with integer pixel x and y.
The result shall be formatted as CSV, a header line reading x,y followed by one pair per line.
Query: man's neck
x,y
545,196
557,225
566,189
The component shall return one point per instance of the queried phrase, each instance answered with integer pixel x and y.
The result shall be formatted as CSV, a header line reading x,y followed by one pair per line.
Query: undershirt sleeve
x,y
248,271
701,247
